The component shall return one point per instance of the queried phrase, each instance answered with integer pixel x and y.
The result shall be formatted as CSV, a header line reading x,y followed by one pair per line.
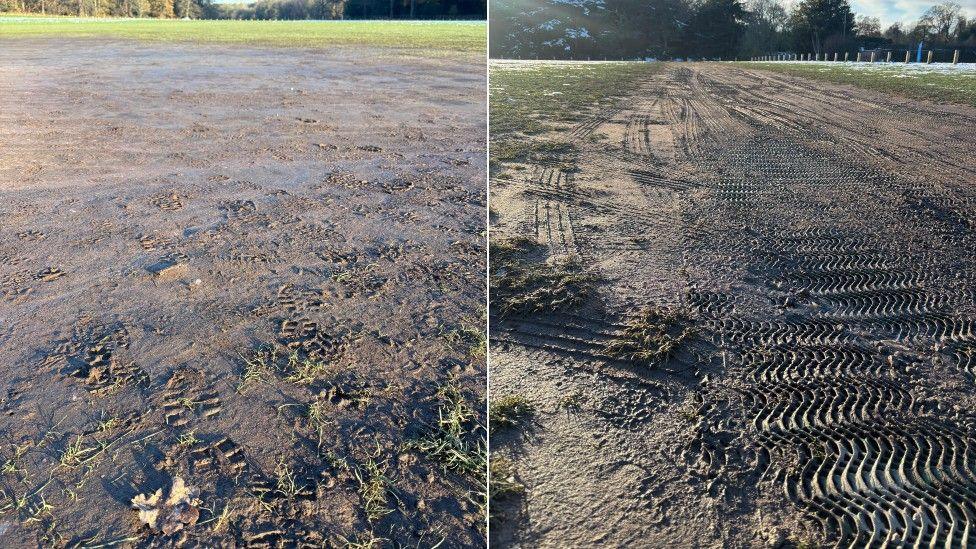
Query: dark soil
x,y
167,212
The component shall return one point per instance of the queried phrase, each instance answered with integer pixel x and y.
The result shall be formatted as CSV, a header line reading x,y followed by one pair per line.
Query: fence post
x,y
872,56
835,57
908,55
847,55
889,58
858,57
955,57
930,56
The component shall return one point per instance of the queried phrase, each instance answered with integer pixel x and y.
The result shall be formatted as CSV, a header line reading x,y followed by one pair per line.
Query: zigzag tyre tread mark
x,y
879,478
787,362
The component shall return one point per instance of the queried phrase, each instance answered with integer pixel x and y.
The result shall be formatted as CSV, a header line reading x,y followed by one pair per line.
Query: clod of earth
x,y
166,270
180,508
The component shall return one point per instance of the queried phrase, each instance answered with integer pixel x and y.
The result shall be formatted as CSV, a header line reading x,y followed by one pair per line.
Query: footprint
x,y
168,202
31,235
223,456
188,396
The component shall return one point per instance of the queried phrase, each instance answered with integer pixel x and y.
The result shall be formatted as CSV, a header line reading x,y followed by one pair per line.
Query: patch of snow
x,y
894,67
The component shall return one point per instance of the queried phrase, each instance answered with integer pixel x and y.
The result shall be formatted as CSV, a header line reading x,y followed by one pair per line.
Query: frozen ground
x,y
168,211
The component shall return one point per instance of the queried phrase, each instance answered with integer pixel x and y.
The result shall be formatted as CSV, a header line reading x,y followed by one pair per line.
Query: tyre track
x,y
840,429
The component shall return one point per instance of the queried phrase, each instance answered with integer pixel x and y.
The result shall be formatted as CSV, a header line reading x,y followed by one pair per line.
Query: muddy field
x,y
762,330
249,279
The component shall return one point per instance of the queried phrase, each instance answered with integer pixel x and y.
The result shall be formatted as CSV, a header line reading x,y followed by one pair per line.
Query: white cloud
x,y
903,11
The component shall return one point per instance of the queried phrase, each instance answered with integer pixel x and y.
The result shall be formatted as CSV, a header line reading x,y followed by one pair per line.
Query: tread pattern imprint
x,y
820,242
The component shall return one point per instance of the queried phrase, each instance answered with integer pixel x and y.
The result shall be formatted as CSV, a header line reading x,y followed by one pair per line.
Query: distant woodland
x,y
263,9
727,29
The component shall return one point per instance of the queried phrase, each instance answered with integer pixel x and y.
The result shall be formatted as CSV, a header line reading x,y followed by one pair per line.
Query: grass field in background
x,y
528,98
460,36
915,81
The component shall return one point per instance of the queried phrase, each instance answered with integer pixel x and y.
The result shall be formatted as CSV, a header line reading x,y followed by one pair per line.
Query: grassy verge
x,y
529,99
411,35
956,87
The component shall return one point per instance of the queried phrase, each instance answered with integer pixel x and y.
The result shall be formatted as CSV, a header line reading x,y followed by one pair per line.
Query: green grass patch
x,y
945,87
526,101
456,441
444,36
519,150
374,489
533,98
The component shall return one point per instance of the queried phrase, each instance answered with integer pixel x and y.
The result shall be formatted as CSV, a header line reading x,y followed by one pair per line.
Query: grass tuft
x,y
503,481
457,440
651,338
520,288
257,367
374,487
509,411
304,371
318,419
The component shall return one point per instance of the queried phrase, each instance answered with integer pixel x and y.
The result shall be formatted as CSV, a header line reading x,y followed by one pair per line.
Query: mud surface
x,y
820,237
166,212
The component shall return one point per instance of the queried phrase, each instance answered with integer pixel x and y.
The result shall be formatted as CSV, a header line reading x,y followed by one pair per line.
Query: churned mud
x,y
239,288
778,342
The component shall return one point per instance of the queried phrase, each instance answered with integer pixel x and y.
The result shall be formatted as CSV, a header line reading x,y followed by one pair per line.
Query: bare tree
x,y
942,20
868,26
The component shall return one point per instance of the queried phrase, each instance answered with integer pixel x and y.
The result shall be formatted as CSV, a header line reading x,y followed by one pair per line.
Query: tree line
x,y
262,9
711,29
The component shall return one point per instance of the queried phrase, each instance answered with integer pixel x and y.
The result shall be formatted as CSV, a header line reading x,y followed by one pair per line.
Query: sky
x,y
903,11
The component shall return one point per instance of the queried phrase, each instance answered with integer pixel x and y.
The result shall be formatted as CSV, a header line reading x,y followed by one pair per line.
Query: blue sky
x,y
894,11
